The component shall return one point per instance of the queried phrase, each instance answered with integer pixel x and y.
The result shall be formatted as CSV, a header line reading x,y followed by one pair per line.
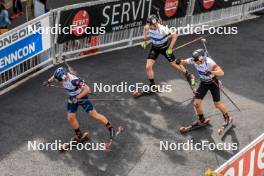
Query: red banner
x,y
248,162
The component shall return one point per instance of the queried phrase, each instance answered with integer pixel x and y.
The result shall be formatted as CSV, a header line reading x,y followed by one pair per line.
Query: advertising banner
x,y
101,18
248,162
115,16
169,9
23,44
202,6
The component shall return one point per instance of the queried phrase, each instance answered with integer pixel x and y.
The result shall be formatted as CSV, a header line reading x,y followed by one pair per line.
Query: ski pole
x,y
190,42
222,90
227,96
157,10
60,87
68,66
100,99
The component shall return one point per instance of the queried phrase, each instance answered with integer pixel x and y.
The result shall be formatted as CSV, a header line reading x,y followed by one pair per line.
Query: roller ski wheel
x,y
64,147
108,145
137,94
194,127
226,127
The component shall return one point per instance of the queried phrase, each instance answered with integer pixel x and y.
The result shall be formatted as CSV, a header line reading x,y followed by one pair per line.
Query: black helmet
x,y
152,19
197,53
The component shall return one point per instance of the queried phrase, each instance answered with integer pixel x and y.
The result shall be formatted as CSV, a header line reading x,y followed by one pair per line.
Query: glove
x,y
178,61
74,100
144,44
46,83
169,52
208,73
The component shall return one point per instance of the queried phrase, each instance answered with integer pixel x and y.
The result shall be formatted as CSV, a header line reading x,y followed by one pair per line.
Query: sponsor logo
x,y
21,33
250,161
80,22
20,51
171,7
208,4
125,14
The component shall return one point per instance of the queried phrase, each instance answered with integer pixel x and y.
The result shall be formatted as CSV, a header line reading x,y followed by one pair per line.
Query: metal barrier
x,y
40,60
110,41
127,38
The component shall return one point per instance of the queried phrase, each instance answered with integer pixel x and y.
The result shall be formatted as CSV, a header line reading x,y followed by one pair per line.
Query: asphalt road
x,y
33,112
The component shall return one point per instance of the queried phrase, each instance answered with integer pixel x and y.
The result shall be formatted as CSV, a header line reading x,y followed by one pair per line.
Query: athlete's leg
x,y
219,105
149,70
180,68
73,120
189,77
152,56
71,116
197,103
199,95
171,58
215,91
88,107
101,118
199,111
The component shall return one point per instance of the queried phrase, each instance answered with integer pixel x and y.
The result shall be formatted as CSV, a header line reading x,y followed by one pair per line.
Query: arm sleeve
x,y
78,83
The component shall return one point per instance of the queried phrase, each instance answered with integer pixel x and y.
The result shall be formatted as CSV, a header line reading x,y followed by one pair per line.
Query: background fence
x,y
75,49
16,67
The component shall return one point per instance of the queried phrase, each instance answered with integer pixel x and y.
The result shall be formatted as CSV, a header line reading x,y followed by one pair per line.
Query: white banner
x,y
24,43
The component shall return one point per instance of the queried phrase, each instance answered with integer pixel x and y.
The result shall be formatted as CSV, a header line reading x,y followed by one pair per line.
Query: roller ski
x,y
228,124
153,89
81,138
196,125
113,135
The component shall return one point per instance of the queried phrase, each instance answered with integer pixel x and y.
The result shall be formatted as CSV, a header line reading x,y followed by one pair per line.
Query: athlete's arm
x,y
51,79
217,71
85,91
173,40
80,84
183,61
145,32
